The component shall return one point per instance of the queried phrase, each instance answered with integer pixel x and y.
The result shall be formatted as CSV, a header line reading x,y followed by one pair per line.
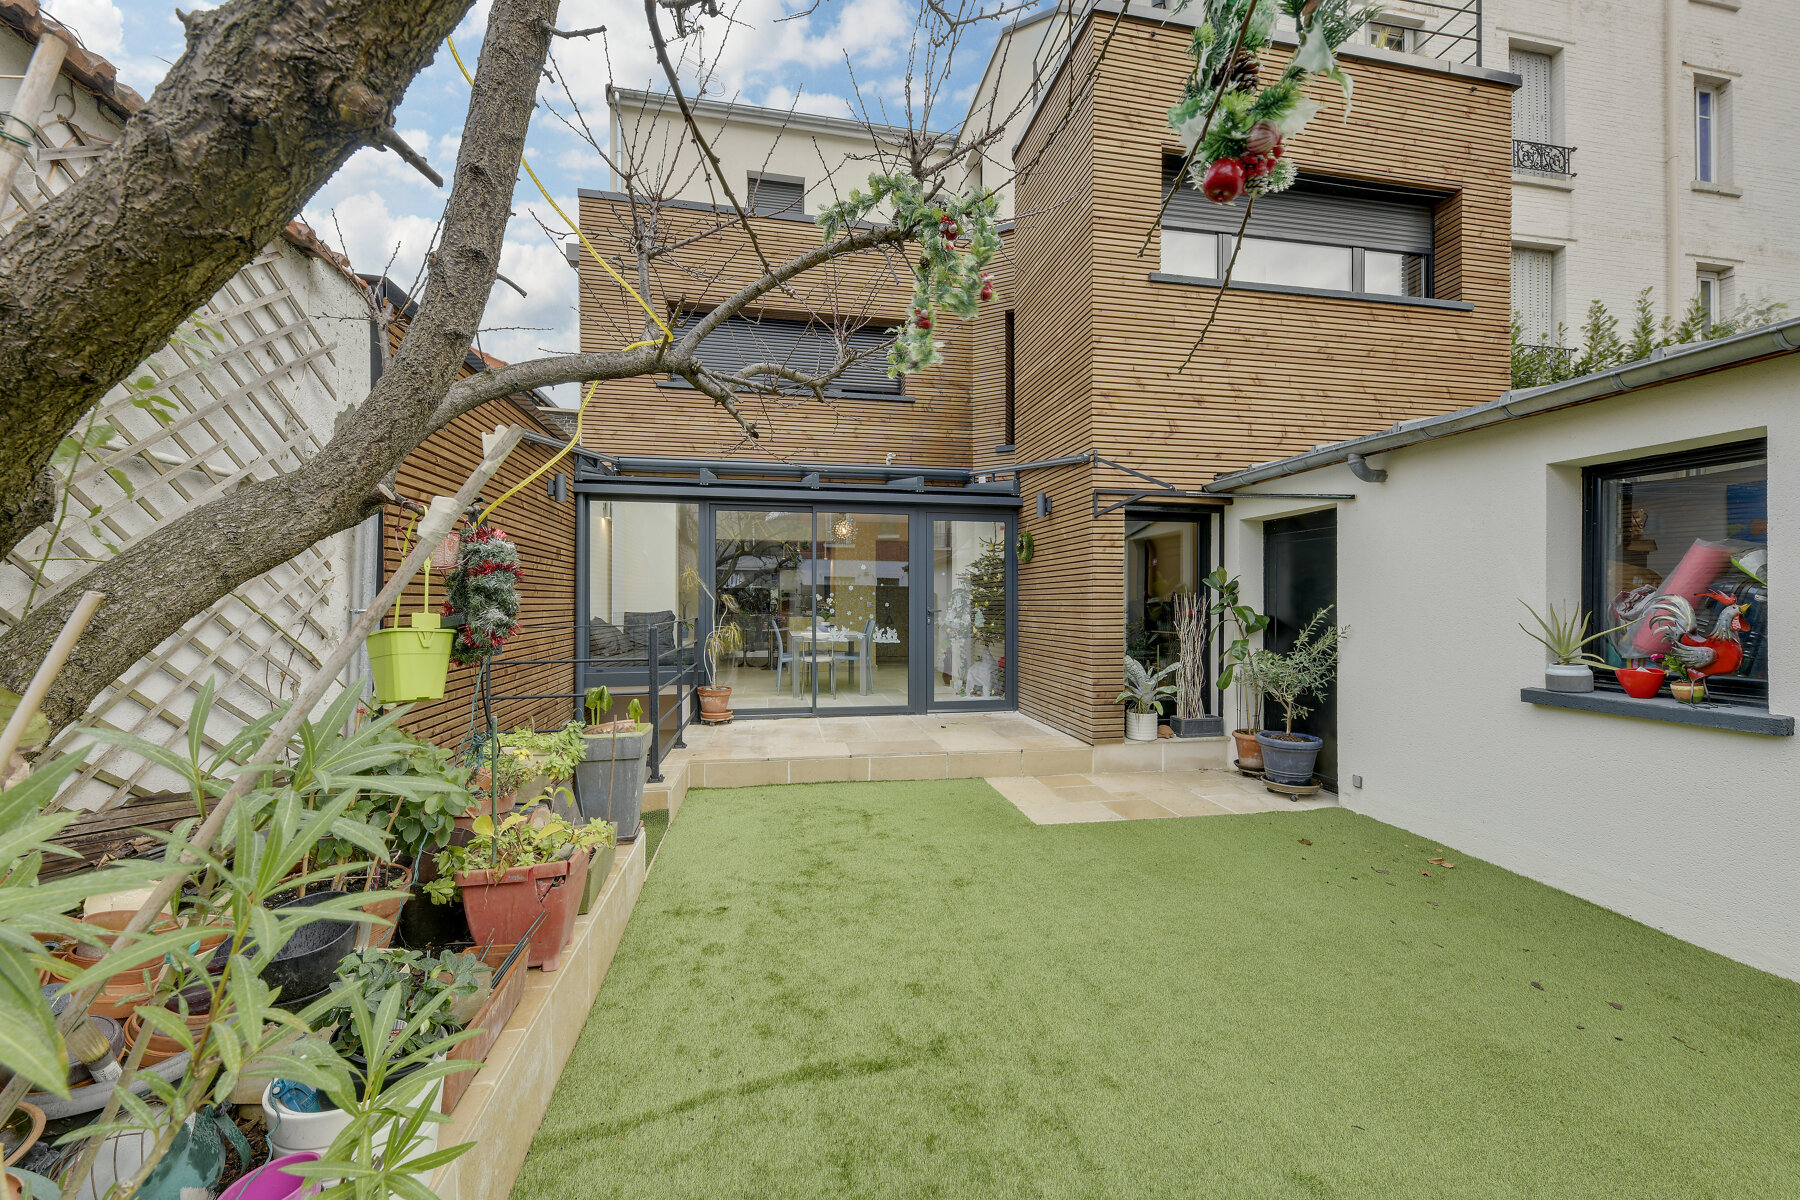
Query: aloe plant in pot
x,y
1567,640
1291,678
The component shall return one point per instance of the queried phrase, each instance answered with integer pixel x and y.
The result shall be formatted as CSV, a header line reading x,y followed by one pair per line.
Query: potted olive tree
x,y
1143,693
1567,639
1292,678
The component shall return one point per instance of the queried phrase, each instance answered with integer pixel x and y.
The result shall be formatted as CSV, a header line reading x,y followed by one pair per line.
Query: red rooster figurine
x,y
1719,652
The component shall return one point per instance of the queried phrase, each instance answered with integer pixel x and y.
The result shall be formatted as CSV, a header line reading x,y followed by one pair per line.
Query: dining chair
x,y
782,656
815,658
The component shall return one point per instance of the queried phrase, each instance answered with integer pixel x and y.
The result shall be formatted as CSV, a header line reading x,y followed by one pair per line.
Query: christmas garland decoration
x,y
1236,133
958,238
485,589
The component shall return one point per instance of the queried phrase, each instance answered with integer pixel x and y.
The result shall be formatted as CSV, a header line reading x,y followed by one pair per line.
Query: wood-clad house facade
x,y
1083,354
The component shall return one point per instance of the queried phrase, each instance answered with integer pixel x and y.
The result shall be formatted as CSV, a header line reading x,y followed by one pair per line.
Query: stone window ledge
x,y
1666,708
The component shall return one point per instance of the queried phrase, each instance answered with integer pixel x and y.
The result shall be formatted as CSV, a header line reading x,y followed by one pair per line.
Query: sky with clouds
x,y
376,208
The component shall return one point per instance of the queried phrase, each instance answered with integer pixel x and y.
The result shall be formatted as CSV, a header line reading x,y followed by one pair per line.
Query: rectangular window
x,y
1330,235
1389,36
1534,293
808,347
1185,252
1531,112
640,556
1295,264
1012,408
775,195
1706,133
1677,552
1709,287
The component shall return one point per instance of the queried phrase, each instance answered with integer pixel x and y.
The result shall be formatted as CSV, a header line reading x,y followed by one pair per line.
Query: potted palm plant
x,y
725,640
1567,640
1143,693
1238,622
1291,678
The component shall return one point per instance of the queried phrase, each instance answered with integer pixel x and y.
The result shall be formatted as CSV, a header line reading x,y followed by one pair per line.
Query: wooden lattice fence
x,y
248,393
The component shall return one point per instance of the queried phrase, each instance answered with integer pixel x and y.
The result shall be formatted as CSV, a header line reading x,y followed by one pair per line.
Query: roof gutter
x,y
1659,368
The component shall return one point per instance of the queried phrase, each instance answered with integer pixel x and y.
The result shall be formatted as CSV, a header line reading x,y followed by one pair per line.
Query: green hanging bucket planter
x,y
411,663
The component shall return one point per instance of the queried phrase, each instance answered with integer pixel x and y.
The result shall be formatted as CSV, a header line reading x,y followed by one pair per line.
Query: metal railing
x,y
643,668
1446,29
1542,158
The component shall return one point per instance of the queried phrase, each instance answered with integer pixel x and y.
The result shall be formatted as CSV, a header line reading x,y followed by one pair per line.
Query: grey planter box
x,y
609,783
1197,727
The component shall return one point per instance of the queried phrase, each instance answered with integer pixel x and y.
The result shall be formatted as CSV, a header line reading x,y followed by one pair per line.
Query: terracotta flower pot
x,y
27,1124
1249,750
715,703
160,1048
487,806
1641,683
1688,691
379,937
501,905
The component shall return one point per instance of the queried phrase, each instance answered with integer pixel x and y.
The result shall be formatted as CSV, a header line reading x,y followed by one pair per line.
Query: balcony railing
x,y
1446,29
1541,158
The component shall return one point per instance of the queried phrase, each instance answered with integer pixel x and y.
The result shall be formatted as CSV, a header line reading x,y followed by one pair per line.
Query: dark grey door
x,y
1299,579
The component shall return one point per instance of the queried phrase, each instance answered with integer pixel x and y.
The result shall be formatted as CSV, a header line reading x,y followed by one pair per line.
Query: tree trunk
x,y
157,585
269,99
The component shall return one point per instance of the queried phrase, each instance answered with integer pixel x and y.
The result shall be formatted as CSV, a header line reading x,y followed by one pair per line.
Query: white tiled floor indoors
x,y
1052,777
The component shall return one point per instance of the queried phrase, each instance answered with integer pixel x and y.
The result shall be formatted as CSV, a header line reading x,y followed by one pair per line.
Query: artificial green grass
x,y
908,990
655,824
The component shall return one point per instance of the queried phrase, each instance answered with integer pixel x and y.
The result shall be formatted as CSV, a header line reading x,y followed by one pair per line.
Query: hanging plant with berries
x,y
957,239
1236,131
484,587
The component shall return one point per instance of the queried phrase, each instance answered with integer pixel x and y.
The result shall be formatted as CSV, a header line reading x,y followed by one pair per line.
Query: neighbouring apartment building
x,y
1375,291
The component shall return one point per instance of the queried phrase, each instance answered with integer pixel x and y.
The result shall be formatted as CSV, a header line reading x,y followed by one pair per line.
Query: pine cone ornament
x,y
1241,73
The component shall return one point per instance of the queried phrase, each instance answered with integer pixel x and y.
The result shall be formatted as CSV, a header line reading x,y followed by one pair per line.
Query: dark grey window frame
x,y
1744,693
1324,187
1012,408
897,394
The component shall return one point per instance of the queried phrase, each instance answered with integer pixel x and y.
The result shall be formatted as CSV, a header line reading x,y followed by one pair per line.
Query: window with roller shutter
x,y
773,195
803,346
1531,113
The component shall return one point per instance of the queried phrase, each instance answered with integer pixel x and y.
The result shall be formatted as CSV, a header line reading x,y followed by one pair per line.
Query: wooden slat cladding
x,y
544,531
647,416
1100,345
1281,373
1068,610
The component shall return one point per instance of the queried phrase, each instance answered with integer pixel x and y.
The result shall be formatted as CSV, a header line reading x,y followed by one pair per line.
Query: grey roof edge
x,y
1189,17
755,114
1697,359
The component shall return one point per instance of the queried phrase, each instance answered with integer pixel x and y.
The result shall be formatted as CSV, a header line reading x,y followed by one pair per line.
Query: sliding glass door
x,y
825,609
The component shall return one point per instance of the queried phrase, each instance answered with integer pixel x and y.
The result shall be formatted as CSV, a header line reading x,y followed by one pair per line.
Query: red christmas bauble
x,y
1264,138
1223,181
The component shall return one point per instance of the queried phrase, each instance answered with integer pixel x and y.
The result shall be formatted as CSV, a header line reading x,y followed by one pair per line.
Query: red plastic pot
x,y
1641,683
502,905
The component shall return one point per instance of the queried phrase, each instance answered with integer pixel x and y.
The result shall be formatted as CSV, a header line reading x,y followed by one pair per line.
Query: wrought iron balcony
x,y
1541,158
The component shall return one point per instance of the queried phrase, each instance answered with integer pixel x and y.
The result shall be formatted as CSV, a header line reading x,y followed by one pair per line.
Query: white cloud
x,y
99,23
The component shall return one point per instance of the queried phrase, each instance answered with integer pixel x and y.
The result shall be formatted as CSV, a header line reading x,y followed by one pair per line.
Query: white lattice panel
x,y
254,405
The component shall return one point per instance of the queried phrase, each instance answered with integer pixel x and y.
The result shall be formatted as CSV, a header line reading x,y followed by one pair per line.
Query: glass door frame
x,y
923,666
921,639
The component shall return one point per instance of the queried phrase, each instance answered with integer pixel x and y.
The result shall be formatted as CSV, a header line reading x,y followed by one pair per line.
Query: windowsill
x,y
1325,293
1553,183
1728,5
1737,718
1717,189
1003,450
830,393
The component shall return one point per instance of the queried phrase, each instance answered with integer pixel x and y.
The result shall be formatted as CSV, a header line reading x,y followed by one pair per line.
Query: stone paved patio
x,y
1068,799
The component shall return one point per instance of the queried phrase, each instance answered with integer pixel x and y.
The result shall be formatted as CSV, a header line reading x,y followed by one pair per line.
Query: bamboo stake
x,y
46,674
439,519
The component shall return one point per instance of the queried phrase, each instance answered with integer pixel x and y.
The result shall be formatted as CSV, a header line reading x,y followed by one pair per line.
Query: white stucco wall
x,y
1693,831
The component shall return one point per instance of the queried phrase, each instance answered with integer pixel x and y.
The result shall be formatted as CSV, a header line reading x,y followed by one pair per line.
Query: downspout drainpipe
x,y
1359,467
19,126
1678,110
